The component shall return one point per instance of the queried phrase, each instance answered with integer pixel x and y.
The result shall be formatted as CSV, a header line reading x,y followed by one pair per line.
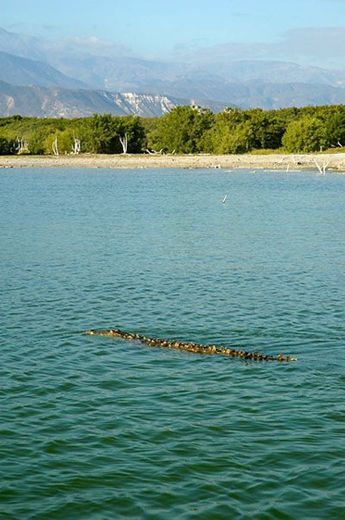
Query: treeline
x,y
183,130
96,134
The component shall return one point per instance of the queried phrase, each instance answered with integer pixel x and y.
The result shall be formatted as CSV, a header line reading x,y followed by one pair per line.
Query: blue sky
x,y
300,30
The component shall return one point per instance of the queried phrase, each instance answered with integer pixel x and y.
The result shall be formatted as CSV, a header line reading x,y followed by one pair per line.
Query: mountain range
x,y
50,78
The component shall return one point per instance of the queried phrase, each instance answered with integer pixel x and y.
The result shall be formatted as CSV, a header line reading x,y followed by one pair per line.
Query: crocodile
x,y
196,348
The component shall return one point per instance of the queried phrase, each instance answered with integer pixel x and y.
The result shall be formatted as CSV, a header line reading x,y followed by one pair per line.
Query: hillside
x,y
59,102
27,72
38,78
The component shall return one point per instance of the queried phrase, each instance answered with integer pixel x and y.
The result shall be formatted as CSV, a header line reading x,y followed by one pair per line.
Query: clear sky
x,y
157,28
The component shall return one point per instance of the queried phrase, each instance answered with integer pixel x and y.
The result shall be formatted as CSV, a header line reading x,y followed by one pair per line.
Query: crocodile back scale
x,y
196,348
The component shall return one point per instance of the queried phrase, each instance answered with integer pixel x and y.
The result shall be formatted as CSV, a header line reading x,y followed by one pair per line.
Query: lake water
x,y
96,428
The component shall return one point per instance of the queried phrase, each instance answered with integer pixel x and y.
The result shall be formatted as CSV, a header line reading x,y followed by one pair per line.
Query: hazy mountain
x,y
128,73
22,45
153,85
23,71
59,102
110,67
136,75
197,85
279,95
119,73
277,72
252,94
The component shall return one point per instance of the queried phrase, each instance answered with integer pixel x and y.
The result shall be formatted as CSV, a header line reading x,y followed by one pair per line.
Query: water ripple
x,y
102,429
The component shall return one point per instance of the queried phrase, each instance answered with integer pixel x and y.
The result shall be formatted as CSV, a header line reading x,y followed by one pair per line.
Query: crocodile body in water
x,y
197,348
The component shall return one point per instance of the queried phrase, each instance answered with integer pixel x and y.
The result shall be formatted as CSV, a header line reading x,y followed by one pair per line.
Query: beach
x,y
287,162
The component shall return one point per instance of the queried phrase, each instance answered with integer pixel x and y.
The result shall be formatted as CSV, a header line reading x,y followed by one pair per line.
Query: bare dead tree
x,y
21,145
321,167
124,143
155,152
55,148
76,146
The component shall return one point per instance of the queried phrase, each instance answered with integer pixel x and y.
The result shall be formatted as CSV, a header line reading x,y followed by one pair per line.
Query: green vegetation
x,y
97,134
183,130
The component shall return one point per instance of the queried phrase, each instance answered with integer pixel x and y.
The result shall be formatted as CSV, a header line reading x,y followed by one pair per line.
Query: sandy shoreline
x,y
335,162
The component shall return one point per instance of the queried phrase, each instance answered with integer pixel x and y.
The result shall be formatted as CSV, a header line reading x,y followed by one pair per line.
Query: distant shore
x,y
334,162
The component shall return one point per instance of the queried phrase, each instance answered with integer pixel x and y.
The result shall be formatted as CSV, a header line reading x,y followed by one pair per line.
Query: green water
x,y
95,428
